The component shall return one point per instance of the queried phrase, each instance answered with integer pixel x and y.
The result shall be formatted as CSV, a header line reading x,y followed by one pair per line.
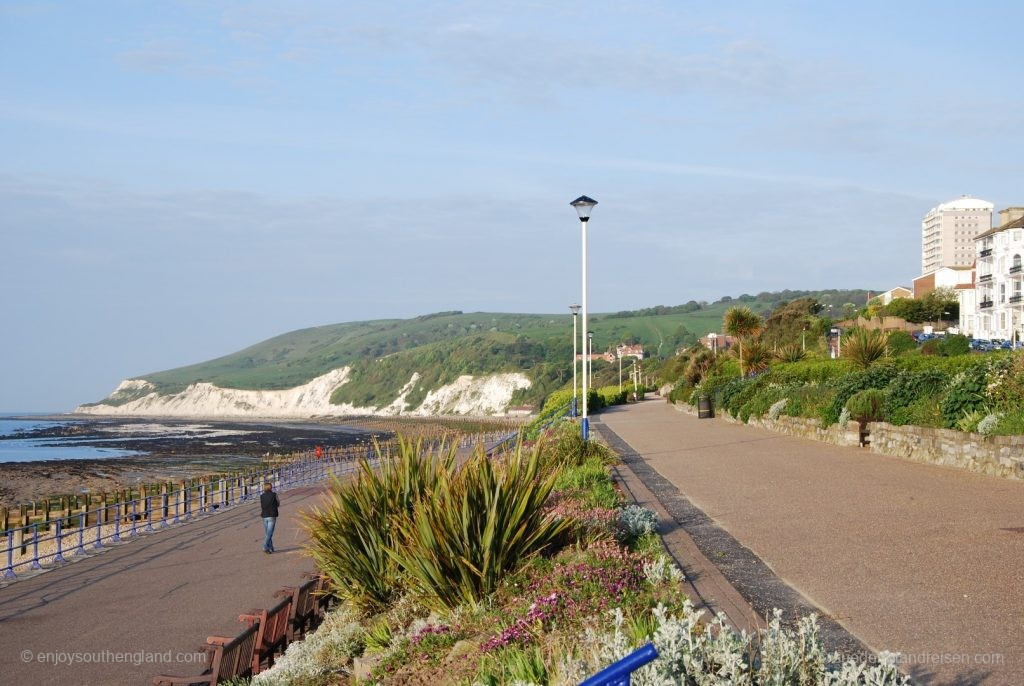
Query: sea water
x,y
32,449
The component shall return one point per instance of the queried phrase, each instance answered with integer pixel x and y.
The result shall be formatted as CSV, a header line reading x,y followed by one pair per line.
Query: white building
x,y
948,232
894,293
943,277
994,308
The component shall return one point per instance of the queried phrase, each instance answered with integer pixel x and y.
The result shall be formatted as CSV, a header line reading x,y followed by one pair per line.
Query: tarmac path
x,y
151,601
924,560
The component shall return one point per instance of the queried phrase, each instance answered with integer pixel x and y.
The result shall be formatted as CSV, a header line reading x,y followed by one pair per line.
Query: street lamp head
x,y
575,309
583,205
590,334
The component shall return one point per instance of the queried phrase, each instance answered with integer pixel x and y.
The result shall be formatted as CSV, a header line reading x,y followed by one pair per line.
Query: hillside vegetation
x,y
384,354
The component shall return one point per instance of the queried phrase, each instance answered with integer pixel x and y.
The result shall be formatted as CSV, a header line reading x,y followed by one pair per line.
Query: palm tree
x,y
740,323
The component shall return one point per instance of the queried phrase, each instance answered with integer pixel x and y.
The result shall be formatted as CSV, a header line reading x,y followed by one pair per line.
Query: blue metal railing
x,y
504,442
617,674
162,509
123,520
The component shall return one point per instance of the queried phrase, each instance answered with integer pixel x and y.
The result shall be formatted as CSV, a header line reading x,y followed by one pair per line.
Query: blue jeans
x,y
268,524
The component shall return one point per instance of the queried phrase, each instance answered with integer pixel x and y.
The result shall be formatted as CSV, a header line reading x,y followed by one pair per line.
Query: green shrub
x,y
591,482
611,395
761,400
954,344
901,342
930,347
809,371
877,376
966,394
867,406
1011,423
350,536
477,526
808,401
908,387
925,411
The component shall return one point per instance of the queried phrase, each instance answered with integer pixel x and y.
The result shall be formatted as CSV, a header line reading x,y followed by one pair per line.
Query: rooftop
x,y
964,202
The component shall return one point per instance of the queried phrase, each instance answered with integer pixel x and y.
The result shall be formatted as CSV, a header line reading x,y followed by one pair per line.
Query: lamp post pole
x,y
583,206
619,351
574,410
590,357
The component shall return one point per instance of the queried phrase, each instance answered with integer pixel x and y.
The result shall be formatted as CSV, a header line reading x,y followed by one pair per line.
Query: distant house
x,y
636,351
894,293
520,411
718,342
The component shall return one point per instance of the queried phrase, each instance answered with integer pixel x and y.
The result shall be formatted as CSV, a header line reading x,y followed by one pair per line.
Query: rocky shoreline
x,y
175,448
169,449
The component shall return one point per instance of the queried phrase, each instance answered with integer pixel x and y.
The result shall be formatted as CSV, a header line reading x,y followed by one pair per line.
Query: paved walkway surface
x,y
923,560
161,595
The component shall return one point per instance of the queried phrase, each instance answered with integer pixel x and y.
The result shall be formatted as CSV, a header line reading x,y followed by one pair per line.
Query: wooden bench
x,y
229,658
324,596
304,606
272,635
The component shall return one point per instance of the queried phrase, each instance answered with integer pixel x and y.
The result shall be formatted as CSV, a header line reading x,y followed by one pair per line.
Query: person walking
x,y
269,505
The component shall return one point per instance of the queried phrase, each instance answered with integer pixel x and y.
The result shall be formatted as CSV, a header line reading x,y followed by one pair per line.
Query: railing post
x,y
100,516
80,550
58,558
9,572
133,532
149,513
117,524
35,547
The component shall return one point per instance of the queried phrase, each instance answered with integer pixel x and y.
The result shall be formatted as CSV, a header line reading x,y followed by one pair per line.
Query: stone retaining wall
x,y
995,455
793,426
1001,456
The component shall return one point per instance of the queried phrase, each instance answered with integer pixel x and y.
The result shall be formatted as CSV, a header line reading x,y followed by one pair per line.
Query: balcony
x,y
986,304
1015,298
985,252
984,278
1016,269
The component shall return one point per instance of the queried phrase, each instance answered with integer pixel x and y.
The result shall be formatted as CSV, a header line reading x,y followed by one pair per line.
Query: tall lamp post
x,y
618,353
574,410
583,206
590,357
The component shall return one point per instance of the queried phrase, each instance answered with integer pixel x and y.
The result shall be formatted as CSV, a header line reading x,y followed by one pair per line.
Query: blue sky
x,y
181,179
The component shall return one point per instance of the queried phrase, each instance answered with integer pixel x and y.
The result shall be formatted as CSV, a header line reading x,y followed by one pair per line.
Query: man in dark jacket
x,y
268,510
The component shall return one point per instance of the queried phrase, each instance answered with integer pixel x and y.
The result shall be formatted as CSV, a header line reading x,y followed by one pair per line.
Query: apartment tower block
x,y
948,232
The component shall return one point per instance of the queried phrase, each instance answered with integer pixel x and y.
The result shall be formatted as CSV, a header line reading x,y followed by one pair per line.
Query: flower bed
x,y
597,590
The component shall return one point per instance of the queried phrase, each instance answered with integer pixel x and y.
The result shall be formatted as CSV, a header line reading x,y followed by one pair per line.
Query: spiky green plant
x,y
864,347
792,352
755,357
351,533
740,323
481,523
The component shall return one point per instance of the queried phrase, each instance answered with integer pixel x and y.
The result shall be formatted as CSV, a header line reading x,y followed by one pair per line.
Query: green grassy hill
x,y
385,353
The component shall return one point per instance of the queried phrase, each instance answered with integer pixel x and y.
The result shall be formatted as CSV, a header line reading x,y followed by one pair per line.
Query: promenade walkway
x,y
923,560
161,594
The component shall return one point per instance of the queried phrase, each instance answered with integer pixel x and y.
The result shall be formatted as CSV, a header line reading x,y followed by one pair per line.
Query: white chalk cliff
x,y
467,395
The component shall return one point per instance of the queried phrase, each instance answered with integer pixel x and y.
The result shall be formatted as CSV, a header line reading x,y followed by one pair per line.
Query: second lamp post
x,y
583,206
